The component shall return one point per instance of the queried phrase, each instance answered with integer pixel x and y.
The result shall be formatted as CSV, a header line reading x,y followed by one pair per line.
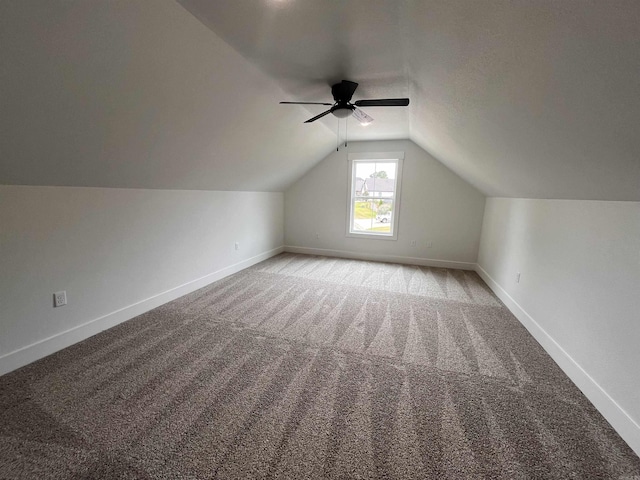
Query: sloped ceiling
x,y
535,99
521,98
140,94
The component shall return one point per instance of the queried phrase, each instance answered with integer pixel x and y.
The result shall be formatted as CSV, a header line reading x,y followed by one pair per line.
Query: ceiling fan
x,y
342,108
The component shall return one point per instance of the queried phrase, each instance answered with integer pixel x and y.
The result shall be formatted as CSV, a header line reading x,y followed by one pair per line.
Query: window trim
x,y
396,157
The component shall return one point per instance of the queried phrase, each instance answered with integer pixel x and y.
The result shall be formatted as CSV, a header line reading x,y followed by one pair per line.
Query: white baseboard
x,y
35,351
620,420
425,262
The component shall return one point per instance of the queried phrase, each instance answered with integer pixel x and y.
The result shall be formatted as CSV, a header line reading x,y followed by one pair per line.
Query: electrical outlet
x,y
317,235
429,244
518,277
59,298
237,245
413,243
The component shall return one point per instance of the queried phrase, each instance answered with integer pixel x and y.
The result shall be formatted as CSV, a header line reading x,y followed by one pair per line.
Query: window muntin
x,y
374,193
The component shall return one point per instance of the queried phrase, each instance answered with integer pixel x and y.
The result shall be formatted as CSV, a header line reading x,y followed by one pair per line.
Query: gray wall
x,y
436,206
579,291
117,253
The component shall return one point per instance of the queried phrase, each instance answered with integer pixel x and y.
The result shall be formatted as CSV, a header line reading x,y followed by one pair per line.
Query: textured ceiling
x,y
528,99
521,98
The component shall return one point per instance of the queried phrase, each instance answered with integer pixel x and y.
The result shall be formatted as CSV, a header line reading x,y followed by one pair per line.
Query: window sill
x,y
372,236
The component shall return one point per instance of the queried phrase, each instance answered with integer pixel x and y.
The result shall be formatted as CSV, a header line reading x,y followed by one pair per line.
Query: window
x,y
374,194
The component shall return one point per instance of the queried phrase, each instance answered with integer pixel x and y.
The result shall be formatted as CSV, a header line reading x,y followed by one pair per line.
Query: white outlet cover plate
x,y
59,299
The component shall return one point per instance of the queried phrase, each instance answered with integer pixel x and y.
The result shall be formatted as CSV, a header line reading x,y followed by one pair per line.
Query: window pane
x,y
384,215
363,215
375,179
373,215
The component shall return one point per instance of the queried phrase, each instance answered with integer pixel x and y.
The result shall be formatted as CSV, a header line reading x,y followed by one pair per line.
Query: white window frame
x,y
389,157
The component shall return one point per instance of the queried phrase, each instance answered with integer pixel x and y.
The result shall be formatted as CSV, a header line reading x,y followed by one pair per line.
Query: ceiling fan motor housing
x,y
343,91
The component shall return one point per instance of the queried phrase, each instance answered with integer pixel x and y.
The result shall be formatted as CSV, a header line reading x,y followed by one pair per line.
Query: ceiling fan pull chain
x,y
338,137
346,131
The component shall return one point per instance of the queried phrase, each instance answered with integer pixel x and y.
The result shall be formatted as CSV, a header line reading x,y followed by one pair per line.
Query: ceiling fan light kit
x,y
342,111
342,108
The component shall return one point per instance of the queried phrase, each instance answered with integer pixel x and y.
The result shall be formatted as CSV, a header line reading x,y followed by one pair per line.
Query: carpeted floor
x,y
309,367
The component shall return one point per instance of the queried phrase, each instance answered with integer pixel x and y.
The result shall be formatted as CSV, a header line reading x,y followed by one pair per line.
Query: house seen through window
x,y
374,197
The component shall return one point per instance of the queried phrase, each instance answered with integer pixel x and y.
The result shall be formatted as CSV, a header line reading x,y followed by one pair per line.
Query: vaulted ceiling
x,y
140,94
523,98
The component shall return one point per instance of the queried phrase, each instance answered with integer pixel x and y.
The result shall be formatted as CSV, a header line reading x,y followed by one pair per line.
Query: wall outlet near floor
x,y
517,277
60,298
237,246
428,244
317,235
413,243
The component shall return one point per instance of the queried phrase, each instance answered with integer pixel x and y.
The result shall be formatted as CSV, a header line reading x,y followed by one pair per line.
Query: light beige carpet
x,y
310,367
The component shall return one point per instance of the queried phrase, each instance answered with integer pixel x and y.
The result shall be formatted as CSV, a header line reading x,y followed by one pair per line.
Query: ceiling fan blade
x,y
383,102
318,116
306,103
362,117
343,91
